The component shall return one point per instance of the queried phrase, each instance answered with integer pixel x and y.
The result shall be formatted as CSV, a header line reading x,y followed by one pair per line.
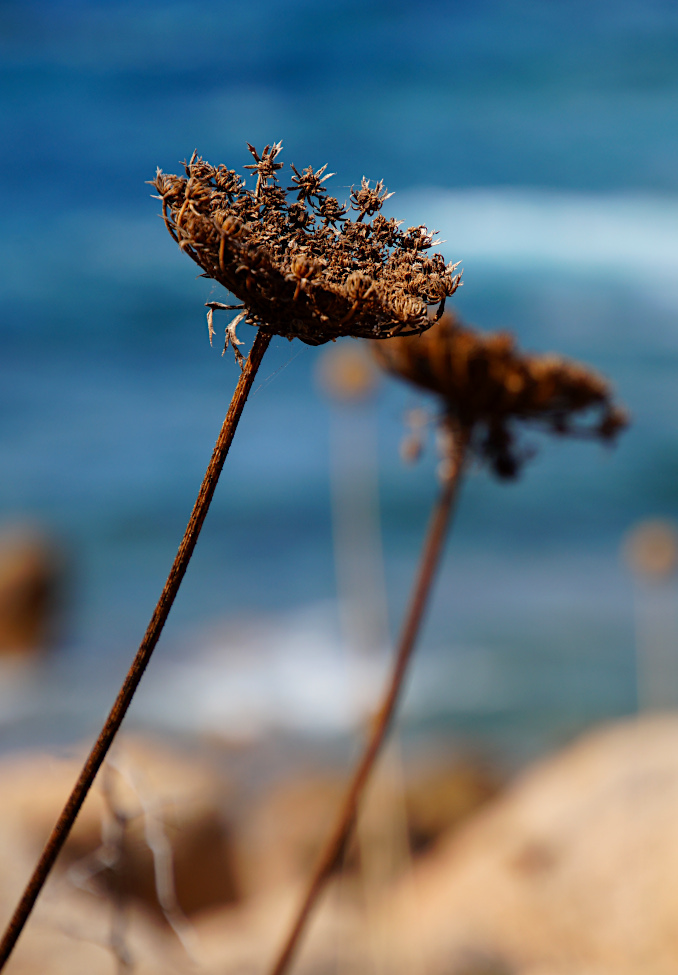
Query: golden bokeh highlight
x,y
650,549
346,373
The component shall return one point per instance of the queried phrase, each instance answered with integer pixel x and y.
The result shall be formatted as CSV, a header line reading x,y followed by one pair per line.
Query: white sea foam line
x,y
521,228
630,240
517,228
304,684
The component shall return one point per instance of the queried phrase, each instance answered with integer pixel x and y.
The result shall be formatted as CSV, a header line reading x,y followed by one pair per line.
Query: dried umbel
x,y
486,386
301,267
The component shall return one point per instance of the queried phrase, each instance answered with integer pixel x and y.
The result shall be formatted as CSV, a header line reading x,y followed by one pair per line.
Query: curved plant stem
x,y
430,559
136,671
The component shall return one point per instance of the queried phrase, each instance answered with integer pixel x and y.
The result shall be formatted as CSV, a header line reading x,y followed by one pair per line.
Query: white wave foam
x,y
292,672
621,234
634,237
295,673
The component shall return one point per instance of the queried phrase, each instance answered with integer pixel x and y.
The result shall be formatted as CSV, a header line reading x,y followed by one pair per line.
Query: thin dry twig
x,y
160,846
112,857
430,559
122,702
109,856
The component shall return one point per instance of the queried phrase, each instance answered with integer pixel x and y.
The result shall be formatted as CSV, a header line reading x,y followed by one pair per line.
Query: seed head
x,y
368,200
301,268
308,183
487,387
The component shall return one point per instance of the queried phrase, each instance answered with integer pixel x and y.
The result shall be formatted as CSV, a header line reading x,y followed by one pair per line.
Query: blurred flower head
x,y
487,386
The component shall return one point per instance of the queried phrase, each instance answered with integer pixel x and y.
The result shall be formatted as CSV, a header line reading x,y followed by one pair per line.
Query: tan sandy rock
x,y
573,871
82,925
154,828
444,796
280,837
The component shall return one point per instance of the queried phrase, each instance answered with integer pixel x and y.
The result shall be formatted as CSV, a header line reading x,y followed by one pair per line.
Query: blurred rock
x,y
152,810
443,797
573,870
32,589
351,929
99,911
281,836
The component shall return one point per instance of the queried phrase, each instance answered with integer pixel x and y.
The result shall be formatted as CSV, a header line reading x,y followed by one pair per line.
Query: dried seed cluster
x,y
301,267
486,385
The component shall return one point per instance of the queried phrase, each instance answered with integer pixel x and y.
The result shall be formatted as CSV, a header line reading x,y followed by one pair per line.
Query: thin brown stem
x,y
336,844
122,702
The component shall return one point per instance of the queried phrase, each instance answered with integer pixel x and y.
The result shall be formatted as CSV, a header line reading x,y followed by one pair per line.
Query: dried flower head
x,y
486,386
302,268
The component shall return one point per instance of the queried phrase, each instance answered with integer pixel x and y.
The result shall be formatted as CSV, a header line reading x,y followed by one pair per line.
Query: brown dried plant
x,y
484,387
302,268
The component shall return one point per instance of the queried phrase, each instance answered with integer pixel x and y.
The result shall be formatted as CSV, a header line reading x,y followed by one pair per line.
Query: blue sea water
x,y
540,139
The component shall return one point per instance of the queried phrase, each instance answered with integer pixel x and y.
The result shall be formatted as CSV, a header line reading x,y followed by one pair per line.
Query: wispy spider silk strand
x,y
123,700
428,565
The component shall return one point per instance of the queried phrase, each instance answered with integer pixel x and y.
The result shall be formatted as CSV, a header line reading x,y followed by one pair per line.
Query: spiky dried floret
x,y
486,385
301,268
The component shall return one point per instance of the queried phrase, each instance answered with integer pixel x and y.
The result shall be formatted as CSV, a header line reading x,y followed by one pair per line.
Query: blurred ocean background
x,y
542,141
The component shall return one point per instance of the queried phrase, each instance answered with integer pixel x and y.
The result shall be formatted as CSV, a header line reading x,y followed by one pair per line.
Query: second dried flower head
x,y
486,386
302,267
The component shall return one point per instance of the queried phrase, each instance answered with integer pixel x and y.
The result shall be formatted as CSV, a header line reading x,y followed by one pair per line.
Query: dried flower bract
x,y
487,385
302,268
